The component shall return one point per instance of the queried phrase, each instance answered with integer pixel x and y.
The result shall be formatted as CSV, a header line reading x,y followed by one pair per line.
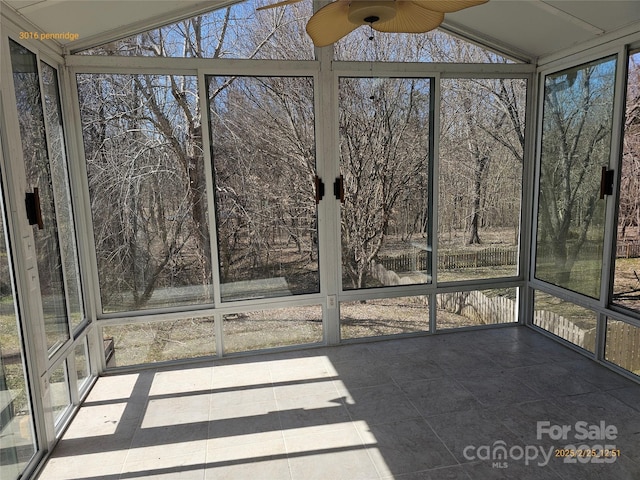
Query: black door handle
x,y
34,212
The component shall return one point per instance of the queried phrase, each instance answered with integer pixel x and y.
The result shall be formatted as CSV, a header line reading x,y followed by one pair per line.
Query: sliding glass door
x,y
576,143
17,431
35,153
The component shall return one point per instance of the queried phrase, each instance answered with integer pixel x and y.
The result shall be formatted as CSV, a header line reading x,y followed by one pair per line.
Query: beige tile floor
x,y
412,408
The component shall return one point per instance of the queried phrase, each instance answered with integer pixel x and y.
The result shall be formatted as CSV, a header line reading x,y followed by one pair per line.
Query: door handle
x,y
338,188
319,184
606,182
34,212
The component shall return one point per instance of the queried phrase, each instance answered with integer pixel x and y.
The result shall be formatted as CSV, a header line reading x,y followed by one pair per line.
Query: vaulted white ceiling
x,y
528,28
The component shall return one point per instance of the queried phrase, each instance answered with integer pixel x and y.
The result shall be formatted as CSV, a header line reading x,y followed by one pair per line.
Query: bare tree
x,y
629,207
264,159
142,117
140,194
384,127
141,130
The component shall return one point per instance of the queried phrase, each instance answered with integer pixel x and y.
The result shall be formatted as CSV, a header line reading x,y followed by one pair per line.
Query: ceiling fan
x,y
335,20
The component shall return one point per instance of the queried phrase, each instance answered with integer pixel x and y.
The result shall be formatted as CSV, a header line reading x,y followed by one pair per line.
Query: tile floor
x,y
414,408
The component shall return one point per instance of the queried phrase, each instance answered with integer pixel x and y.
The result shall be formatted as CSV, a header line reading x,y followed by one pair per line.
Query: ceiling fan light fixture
x,y
365,12
341,17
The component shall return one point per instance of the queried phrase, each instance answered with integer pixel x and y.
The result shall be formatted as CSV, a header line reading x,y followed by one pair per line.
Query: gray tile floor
x,y
465,405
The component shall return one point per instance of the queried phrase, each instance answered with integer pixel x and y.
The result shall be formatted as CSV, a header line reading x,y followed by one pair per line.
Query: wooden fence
x,y
409,262
623,339
623,345
478,307
628,250
474,305
565,328
488,257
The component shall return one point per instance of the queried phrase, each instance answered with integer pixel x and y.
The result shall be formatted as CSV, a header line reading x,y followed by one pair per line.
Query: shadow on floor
x,y
437,407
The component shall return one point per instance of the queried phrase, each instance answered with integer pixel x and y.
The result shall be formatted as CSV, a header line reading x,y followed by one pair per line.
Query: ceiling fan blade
x,y
278,4
330,24
410,18
448,6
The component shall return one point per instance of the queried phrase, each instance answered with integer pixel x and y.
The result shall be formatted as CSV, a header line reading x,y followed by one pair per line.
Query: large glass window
x,y
147,182
481,157
263,150
626,283
576,140
39,178
385,149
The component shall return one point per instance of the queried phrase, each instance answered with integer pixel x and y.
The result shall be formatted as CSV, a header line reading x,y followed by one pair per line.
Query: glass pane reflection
x,y
576,140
